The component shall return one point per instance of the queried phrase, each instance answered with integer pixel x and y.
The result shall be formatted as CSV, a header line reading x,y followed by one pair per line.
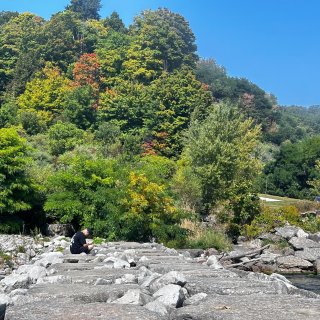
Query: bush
x,y
269,219
204,237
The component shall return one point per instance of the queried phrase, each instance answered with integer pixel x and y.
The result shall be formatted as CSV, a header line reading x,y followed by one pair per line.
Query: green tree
x,y
5,16
86,9
80,107
64,40
169,35
16,188
44,97
115,23
176,98
20,47
64,137
221,154
293,167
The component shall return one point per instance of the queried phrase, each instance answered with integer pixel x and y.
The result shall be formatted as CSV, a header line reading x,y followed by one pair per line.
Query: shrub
x,y
204,237
269,219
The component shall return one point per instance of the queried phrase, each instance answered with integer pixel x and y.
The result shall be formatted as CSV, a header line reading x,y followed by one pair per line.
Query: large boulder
x,y
289,263
214,263
158,307
172,277
302,243
287,232
50,258
15,281
33,271
134,296
310,254
170,295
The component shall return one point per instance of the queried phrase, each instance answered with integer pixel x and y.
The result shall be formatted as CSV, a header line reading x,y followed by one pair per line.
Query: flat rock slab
x,y
65,309
253,307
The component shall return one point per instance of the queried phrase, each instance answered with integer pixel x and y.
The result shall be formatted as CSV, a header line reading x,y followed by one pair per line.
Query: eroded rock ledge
x,y
145,281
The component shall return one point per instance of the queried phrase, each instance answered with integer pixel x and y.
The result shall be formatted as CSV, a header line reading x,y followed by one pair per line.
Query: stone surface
x,y
172,277
50,258
158,307
310,254
214,263
287,232
196,299
170,295
302,243
134,296
33,271
291,262
83,287
15,281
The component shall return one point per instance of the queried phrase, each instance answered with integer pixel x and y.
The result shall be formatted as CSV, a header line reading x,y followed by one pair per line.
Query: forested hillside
x,y
128,130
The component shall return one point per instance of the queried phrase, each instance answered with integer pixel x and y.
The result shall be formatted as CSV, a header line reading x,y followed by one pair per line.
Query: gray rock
x,y
237,307
195,299
134,296
15,281
158,307
67,309
33,271
315,237
55,279
121,264
302,234
292,262
172,277
147,282
19,292
170,295
214,263
310,254
170,251
301,243
127,278
50,258
268,257
287,232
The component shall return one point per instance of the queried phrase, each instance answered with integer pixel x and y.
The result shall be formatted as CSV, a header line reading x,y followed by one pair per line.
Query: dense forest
x,y
129,131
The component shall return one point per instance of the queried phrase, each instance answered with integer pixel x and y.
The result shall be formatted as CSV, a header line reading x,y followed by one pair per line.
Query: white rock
x,y
134,296
15,281
214,263
19,292
33,271
195,299
172,277
158,307
170,295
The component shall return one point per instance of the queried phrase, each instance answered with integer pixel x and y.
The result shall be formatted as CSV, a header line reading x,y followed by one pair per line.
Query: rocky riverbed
x,y
142,281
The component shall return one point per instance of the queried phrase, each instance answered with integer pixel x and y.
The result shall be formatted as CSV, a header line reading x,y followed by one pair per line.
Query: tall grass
x,y
201,237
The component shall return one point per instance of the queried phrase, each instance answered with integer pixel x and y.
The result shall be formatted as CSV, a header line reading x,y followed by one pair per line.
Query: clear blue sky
x,y
273,43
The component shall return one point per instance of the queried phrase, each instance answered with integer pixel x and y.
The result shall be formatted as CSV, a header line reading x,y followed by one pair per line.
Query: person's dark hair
x,y
89,231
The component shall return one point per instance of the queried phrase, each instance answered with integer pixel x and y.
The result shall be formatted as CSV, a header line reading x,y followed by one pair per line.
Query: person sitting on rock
x,y
78,242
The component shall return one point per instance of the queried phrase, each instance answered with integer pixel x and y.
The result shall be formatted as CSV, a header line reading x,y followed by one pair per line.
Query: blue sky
x,y
273,43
